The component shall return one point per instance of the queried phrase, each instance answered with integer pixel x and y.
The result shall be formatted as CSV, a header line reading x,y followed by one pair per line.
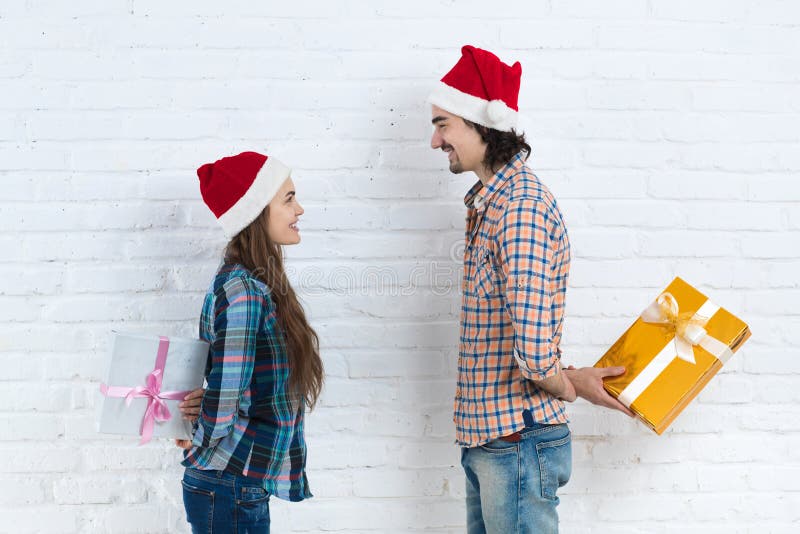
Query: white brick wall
x,y
667,129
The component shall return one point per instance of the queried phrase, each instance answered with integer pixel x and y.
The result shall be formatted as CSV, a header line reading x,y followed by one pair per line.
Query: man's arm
x,y
559,386
526,256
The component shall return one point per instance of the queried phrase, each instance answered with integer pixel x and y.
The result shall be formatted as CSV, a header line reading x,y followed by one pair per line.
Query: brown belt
x,y
512,438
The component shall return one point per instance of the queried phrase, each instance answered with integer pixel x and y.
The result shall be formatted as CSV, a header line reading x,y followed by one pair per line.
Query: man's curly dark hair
x,y
500,146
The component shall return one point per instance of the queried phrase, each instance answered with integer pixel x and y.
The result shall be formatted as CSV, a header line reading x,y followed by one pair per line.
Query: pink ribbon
x,y
156,407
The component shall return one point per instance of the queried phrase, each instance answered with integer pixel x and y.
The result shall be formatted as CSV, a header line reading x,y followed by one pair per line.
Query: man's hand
x,y
190,406
588,383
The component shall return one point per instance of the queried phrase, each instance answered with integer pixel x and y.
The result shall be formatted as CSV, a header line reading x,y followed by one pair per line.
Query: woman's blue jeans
x,y
218,502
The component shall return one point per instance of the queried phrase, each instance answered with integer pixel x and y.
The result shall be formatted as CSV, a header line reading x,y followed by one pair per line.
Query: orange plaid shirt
x,y
516,264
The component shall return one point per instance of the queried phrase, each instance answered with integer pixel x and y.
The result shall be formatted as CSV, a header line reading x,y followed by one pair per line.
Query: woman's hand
x,y
185,444
190,410
190,405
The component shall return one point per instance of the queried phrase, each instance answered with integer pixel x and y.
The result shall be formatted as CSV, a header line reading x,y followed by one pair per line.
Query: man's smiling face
x,y
464,147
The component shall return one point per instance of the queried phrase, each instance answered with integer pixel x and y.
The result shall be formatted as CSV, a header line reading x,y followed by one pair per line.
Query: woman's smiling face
x,y
284,214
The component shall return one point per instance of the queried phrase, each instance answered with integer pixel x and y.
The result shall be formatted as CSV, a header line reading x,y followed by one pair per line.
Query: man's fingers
x,y
606,399
602,398
617,405
611,371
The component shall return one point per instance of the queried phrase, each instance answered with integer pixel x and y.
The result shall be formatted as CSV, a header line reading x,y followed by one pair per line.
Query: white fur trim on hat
x,y
269,179
492,114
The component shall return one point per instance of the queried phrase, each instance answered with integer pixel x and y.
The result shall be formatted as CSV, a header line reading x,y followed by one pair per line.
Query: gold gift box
x,y
656,386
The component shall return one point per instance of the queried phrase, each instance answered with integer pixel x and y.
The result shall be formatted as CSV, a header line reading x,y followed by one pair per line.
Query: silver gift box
x,y
133,357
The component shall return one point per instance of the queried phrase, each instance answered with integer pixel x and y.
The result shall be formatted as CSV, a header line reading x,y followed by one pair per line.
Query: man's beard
x,y
455,166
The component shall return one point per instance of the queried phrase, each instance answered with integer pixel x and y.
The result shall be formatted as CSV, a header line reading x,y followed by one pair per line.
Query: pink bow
x,y
156,407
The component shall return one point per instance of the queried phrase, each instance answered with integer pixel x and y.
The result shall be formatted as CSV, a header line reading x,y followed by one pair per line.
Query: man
x,y
509,406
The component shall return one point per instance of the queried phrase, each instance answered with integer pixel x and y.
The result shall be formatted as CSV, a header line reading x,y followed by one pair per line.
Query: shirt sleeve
x,y
526,256
238,311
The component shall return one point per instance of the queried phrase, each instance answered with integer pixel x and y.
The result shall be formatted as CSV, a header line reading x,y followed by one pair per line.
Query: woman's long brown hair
x,y
253,249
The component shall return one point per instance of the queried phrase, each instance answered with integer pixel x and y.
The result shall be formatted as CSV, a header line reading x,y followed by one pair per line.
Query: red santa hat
x,y
238,188
481,89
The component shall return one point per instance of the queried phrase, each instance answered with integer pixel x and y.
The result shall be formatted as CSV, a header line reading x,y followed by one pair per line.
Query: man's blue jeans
x,y
511,487
218,502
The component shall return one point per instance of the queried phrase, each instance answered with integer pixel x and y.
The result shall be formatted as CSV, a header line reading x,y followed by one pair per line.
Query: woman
x,y
263,366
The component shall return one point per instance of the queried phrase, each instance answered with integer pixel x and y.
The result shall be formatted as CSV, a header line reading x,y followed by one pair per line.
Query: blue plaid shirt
x,y
249,425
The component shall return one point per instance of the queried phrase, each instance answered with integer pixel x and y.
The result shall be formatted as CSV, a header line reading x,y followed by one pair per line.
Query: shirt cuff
x,y
539,373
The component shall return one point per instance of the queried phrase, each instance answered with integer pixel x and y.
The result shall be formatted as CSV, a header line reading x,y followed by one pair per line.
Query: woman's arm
x,y
238,311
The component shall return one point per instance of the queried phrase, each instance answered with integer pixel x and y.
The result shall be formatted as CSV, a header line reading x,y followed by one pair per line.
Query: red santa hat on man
x,y
481,89
238,188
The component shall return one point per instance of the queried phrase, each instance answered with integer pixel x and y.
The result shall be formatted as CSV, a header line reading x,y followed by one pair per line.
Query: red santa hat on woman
x,y
481,89
238,188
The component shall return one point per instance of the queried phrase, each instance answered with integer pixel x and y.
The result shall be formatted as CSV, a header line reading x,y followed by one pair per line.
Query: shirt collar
x,y
479,194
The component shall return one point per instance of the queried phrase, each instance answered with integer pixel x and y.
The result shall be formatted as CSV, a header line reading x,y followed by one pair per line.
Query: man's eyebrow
x,y
438,119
